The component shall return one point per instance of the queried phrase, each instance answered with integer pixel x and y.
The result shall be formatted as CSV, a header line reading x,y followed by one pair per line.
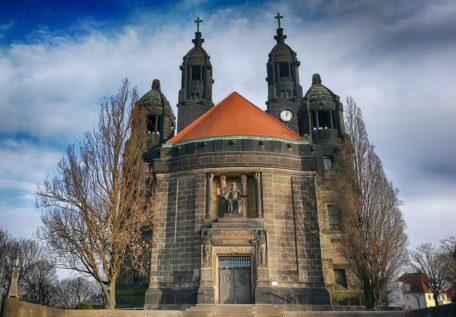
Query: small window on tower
x,y
328,162
333,218
340,278
153,124
284,69
196,72
324,120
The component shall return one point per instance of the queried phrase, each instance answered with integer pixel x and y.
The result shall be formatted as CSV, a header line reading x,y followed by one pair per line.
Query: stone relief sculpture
x,y
206,240
234,199
260,242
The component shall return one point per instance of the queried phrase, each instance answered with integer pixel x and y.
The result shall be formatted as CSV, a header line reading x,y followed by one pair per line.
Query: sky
x,y
397,59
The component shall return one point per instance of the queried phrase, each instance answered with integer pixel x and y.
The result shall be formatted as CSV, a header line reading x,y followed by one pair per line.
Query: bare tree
x,y
373,239
39,283
95,206
431,261
26,251
448,246
417,296
5,267
72,291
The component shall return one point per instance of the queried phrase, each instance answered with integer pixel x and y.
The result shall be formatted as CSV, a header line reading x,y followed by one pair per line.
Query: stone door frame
x,y
233,251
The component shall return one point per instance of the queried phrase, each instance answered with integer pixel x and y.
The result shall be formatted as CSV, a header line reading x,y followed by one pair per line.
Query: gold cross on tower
x,y
279,17
198,21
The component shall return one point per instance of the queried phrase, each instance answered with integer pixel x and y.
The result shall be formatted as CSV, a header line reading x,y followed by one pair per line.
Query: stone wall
x,y
178,217
438,311
291,223
343,314
331,257
16,308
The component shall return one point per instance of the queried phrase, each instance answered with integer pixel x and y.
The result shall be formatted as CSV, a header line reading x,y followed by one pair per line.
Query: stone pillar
x,y
13,290
259,195
222,184
244,193
209,178
331,119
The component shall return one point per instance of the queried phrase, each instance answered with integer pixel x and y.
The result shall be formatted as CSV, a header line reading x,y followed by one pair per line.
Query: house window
x,y
328,162
340,277
333,218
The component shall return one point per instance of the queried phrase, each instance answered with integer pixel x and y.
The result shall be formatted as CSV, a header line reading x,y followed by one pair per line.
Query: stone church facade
x,y
243,198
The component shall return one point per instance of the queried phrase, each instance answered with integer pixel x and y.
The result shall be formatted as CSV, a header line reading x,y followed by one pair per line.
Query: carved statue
x,y
260,242
234,198
207,247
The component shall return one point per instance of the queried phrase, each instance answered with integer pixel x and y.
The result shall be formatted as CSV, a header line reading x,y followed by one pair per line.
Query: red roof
x,y
235,116
417,282
451,291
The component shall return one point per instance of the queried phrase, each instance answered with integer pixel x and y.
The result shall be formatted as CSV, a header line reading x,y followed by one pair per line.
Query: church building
x,y
243,207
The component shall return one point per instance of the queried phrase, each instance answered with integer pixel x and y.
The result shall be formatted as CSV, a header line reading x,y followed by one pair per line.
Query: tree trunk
x,y
369,298
436,299
110,294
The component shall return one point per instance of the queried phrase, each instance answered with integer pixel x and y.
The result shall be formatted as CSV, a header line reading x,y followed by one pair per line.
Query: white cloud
x,y
20,222
403,81
429,219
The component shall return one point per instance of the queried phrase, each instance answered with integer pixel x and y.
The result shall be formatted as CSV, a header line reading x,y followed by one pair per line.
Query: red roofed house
x,y
451,293
414,292
244,207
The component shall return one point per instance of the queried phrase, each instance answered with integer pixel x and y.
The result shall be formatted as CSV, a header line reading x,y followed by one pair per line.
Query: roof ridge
x,y
264,112
230,116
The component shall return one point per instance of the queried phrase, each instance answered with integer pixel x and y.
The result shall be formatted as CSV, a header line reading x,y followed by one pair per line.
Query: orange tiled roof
x,y
235,116
417,282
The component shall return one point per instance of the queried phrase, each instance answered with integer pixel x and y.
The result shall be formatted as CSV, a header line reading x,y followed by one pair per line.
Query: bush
x,y
84,305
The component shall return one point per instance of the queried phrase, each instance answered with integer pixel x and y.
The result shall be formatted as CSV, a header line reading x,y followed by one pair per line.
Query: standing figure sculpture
x,y
234,198
260,242
207,247
261,247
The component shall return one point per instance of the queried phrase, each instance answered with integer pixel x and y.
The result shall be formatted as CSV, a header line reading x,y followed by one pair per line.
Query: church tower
x,y
284,90
161,121
321,115
195,95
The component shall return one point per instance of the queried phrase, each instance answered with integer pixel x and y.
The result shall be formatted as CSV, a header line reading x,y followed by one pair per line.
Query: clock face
x,y
286,115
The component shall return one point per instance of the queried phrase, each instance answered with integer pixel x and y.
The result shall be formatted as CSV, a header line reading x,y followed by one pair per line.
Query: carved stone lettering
x,y
232,237
231,250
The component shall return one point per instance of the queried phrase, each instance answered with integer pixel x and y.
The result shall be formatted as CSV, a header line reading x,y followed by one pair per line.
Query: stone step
x,y
234,310
267,310
227,312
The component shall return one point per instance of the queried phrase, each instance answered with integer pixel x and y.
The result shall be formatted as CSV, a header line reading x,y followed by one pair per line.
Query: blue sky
x,y
58,59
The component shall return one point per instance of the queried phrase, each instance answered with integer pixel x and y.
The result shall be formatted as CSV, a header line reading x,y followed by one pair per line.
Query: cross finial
x,y
198,21
278,18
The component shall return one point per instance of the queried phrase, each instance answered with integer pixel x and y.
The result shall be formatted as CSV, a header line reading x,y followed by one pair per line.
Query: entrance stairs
x,y
233,310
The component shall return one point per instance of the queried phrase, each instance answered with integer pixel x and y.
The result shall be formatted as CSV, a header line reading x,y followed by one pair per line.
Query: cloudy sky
x,y
397,59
